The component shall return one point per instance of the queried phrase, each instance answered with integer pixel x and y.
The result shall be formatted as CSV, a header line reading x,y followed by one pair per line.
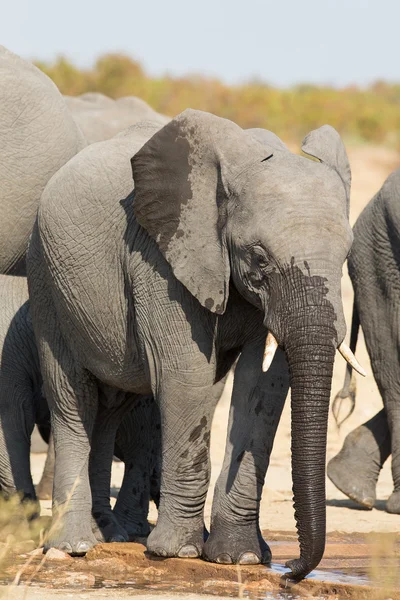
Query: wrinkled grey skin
x,y
161,289
21,401
100,117
374,268
37,136
22,404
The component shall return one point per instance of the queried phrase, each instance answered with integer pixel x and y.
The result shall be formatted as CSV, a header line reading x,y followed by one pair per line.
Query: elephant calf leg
x,y
355,470
186,409
16,426
44,488
257,402
138,445
107,526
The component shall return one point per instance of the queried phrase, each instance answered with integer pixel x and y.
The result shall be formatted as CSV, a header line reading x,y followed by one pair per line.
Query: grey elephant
x,y
37,136
100,117
374,268
22,404
224,239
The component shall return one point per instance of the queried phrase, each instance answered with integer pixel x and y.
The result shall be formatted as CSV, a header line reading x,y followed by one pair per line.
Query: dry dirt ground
x,y
370,167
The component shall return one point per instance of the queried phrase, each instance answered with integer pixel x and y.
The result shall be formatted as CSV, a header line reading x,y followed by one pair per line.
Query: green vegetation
x,y
370,115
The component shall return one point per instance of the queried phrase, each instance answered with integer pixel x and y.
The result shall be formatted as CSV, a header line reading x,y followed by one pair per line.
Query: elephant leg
x,y
73,398
44,488
392,406
355,469
138,445
17,423
106,524
187,403
382,345
257,402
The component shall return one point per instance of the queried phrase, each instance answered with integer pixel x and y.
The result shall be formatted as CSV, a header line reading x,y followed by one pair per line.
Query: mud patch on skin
x,y
196,433
293,297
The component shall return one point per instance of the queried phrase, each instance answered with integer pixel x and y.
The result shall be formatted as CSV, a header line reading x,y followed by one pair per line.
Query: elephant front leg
x,y
187,405
257,402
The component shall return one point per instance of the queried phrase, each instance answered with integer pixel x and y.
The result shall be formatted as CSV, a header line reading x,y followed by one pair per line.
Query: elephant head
x,y
227,205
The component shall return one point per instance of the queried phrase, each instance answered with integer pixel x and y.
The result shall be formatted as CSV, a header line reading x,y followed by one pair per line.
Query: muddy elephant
x,y
22,404
374,268
37,136
225,239
100,117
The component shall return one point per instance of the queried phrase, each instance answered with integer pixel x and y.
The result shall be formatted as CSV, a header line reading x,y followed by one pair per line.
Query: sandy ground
x,y
370,167
41,594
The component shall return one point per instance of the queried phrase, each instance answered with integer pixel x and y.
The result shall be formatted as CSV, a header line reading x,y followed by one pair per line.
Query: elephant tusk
x,y
351,359
269,352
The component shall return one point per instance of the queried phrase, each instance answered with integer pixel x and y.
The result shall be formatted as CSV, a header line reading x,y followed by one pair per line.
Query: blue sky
x,y
281,42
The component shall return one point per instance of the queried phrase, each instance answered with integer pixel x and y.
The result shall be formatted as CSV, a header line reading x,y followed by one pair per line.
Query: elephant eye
x,y
260,257
262,262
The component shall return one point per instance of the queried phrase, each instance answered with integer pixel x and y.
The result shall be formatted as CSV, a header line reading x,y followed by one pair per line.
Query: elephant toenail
x,y
369,503
65,547
82,548
249,558
160,552
224,559
188,551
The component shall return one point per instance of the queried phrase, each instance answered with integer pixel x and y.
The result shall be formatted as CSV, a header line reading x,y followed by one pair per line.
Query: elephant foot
x,y
236,544
44,489
137,529
393,503
179,540
107,527
354,484
75,536
355,470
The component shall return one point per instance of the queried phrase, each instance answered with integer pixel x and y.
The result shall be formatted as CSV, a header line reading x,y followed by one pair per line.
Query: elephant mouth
x,y
271,345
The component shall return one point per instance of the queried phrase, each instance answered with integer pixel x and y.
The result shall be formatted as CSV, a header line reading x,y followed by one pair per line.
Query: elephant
x,y
37,136
222,245
100,117
22,404
374,269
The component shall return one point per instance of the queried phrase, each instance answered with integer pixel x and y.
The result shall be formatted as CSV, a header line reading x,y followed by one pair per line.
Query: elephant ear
x,y
326,145
268,138
181,180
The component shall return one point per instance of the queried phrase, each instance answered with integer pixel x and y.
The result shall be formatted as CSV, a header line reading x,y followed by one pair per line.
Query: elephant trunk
x,y
310,352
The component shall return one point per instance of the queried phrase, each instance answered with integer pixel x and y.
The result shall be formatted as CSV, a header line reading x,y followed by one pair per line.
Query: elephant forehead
x,y
296,181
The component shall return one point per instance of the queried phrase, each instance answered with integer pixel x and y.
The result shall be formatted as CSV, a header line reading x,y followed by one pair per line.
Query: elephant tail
x,y
349,389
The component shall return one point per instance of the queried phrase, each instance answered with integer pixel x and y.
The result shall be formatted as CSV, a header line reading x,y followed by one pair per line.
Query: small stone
x,y
55,554
80,580
36,552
